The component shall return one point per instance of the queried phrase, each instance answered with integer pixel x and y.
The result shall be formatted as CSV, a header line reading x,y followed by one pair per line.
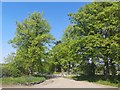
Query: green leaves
x,y
32,36
94,33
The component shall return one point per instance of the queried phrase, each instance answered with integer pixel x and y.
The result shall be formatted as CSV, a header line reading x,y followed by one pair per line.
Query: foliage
x,y
31,40
94,35
10,69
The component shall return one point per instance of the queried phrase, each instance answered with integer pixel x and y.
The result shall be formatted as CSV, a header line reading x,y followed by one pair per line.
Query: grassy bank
x,y
22,80
108,83
111,81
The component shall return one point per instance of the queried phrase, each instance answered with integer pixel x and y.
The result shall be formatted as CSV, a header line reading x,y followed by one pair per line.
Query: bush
x,y
89,69
9,70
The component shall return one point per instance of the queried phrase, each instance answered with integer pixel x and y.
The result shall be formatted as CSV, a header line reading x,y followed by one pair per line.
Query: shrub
x,y
9,70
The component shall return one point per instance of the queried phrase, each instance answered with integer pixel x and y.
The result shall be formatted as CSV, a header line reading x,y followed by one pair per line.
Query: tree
x,y
31,40
96,27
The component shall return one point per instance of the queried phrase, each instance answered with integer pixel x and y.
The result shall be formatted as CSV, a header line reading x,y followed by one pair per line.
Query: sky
x,y
56,13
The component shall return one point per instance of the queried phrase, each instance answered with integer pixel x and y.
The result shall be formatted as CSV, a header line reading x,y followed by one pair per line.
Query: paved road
x,y
64,83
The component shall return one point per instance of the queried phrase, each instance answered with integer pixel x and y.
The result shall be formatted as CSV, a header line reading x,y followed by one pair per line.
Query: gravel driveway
x,y
64,83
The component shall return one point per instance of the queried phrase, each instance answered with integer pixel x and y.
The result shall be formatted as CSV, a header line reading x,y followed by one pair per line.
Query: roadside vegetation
x,y
99,79
24,80
90,46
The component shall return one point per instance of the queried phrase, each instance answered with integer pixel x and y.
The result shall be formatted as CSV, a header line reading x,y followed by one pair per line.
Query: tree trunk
x,y
112,68
106,69
68,68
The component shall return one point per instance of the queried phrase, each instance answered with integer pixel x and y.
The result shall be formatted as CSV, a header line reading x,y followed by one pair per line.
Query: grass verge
x,y
22,80
108,83
111,81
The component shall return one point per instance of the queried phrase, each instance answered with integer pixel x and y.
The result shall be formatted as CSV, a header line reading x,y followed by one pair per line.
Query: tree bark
x,y
106,69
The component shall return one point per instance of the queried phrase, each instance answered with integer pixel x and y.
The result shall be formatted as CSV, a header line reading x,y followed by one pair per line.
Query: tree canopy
x,y
31,40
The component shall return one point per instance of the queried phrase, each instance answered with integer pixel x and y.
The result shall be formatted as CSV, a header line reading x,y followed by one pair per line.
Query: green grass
x,y
107,83
21,80
119,84
56,73
111,81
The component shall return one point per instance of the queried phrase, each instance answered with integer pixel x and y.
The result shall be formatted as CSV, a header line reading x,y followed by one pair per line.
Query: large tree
x,y
31,42
96,28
